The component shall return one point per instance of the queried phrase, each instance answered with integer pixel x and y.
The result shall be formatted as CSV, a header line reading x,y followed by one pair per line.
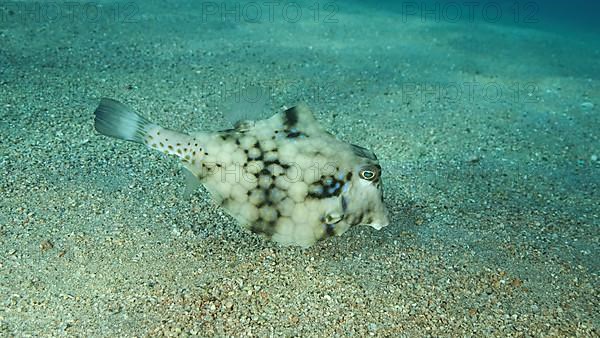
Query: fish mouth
x,y
380,223
378,226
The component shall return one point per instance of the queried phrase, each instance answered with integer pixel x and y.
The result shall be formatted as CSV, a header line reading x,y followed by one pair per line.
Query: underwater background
x,y
484,115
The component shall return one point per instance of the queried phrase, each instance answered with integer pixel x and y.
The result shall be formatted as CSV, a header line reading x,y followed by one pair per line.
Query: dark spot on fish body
x,y
315,195
329,230
225,203
205,171
327,187
295,134
264,228
276,161
254,228
353,219
273,226
228,137
290,117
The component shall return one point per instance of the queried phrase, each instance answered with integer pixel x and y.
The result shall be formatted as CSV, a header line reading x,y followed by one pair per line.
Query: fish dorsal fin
x,y
300,118
244,125
363,152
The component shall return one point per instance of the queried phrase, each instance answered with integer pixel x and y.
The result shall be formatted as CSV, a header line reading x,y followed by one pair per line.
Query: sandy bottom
x,y
487,135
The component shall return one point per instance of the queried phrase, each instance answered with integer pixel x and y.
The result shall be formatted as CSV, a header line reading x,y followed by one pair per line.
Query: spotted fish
x,y
284,177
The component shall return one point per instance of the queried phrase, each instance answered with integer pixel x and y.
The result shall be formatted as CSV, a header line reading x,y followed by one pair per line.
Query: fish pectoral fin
x,y
192,183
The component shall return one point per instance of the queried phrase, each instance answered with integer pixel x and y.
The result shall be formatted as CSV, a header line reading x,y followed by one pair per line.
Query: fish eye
x,y
370,172
367,174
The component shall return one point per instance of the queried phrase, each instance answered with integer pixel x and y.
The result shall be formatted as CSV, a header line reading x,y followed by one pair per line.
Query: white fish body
x,y
284,177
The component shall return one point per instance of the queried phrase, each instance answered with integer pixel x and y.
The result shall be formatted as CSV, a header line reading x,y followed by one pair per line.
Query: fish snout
x,y
380,222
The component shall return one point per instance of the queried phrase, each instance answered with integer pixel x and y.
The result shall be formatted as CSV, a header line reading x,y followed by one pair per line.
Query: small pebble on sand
x,y
46,245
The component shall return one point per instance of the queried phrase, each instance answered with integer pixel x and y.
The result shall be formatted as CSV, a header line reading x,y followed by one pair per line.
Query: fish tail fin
x,y
114,119
117,120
